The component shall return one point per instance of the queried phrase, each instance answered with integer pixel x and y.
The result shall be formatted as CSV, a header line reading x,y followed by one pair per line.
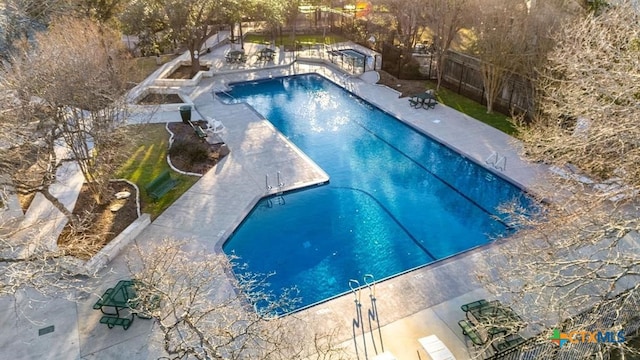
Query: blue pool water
x,y
353,53
396,199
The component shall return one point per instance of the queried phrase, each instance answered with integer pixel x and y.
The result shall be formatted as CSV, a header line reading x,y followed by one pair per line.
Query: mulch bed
x,y
159,99
184,133
101,224
406,87
184,72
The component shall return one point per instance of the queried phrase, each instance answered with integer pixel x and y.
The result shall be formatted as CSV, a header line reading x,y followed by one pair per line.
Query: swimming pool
x,y
396,199
352,58
353,53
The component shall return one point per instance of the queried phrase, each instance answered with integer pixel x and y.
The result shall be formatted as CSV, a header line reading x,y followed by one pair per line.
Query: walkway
x,y
419,303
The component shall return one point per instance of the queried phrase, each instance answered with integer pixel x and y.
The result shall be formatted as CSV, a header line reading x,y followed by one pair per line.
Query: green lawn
x,y
148,159
305,39
144,66
474,109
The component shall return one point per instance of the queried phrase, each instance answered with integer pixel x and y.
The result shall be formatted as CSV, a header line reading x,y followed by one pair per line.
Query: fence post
x,y
513,86
461,76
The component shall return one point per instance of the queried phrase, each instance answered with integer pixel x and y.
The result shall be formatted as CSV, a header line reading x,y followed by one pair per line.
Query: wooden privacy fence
x,y
462,75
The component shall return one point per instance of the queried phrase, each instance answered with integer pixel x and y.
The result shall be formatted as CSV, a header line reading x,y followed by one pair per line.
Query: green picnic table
x,y
424,100
494,318
266,54
235,56
120,303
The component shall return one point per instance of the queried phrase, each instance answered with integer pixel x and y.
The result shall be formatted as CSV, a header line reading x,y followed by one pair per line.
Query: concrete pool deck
x,y
419,303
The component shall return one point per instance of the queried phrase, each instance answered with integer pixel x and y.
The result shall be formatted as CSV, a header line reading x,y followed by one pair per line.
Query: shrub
x,y
194,151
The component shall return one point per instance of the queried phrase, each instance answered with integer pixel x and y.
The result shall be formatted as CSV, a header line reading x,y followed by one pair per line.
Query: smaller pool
x,y
350,56
353,54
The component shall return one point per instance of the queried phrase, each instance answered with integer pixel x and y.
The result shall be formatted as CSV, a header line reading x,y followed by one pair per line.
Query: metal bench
x,y
160,185
198,130
112,321
473,305
98,305
469,330
508,343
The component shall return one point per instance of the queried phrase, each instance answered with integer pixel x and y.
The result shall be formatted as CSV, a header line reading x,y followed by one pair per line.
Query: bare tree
x,y
409,20
205,313
588,103
445,18
513,38
69,87
65,108
575,265
500,44
21,19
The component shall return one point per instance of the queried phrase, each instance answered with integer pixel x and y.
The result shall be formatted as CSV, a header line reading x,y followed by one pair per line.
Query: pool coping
x,y
475,249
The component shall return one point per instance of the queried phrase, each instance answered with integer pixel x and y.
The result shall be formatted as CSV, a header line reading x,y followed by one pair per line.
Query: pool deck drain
x,y
407,307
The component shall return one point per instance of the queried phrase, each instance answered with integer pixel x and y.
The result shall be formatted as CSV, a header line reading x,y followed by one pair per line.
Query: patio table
x,y
266,54
118,298
235,56
424,100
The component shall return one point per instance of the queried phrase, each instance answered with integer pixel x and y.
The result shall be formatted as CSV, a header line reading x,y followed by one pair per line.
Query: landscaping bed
x,y
98,223
184,72
159,99
191,154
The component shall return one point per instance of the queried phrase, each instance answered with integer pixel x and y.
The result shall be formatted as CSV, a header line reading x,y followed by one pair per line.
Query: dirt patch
x,y
190,153
98,224
406,87
184,72
159,99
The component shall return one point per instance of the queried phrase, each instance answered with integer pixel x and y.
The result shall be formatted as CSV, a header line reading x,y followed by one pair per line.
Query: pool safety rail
x,y
351,58
497,161
278,196
372,316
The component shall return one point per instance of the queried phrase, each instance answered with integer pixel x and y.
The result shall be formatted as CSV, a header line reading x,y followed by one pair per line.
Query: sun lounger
x,y
436,348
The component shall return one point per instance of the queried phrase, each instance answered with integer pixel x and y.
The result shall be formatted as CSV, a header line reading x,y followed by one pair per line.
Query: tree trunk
x,y
68,214
493,79
440,69
195,61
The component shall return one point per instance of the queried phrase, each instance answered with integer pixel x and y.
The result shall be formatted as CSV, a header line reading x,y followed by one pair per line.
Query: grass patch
x,y
145,66
305,39
474,109
147,161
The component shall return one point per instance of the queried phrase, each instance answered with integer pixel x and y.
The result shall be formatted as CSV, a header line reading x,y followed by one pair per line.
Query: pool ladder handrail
x,y
266,182
496,161
213,92
280,183
370,285
278,194
356,290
